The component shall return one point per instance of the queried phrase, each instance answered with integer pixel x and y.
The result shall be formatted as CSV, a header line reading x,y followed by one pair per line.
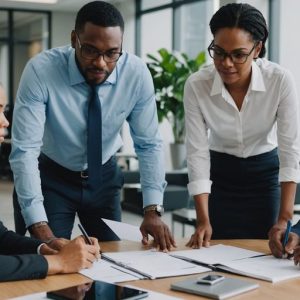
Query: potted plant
x,y
169,71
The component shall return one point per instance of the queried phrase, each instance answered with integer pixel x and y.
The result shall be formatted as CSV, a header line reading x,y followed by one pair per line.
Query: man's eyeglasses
x,y
236,56
89,52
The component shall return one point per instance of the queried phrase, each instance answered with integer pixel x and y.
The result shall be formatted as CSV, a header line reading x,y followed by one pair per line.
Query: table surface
x,y
289,289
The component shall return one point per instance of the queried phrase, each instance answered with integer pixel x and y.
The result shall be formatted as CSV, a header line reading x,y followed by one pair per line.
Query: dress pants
x,y
245,196
67,193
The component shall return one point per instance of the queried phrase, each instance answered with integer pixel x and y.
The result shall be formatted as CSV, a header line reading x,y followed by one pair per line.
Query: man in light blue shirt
x,y
49,136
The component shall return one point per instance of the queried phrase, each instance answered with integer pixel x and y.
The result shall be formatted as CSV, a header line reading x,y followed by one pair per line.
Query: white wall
x,y
62,25
289,42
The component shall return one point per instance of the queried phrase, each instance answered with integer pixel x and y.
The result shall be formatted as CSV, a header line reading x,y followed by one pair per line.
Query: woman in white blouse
x,y
242,124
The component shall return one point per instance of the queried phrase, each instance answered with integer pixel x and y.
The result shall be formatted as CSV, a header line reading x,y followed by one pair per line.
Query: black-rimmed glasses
x,y
236,56
89,52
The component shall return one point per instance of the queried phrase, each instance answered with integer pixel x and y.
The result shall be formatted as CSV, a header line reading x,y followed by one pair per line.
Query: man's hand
x,y
74,256
153,225
276,236
201,237
43,232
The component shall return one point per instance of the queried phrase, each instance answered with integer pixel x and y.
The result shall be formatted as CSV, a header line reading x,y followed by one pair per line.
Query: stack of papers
x,y
216,254
266,268
153,264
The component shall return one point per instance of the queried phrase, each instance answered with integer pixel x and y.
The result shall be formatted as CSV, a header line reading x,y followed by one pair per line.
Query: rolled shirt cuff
x,y
289,174
199,187
152,197
39,248
34,213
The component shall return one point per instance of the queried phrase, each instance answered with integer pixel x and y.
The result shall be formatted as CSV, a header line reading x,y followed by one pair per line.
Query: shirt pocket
x,y
113,123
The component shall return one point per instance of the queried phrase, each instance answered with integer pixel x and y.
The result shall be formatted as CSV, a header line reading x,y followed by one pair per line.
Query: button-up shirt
x,y
269,117
50,115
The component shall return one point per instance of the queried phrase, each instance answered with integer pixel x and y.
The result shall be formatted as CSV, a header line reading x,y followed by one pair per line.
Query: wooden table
x,y
285,290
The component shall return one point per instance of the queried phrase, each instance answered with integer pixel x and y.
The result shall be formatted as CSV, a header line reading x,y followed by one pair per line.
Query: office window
x,y
30,32
146,4
3,24
23,34
157,31
176,25
192,33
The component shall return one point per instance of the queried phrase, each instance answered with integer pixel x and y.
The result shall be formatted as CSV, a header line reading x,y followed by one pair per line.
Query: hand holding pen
x,y
85,235
287,254
282,241
90,241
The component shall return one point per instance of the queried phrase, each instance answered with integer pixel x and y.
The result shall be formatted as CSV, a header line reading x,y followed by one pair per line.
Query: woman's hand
x,y
201,237
276,236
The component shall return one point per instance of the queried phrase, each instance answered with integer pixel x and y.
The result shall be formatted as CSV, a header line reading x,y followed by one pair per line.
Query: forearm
x,y
22,267
152,174
27,136
201,205
12,243
288,192
42,232
54,264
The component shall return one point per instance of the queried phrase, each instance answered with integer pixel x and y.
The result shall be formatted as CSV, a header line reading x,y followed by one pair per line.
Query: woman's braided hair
x,y
244,16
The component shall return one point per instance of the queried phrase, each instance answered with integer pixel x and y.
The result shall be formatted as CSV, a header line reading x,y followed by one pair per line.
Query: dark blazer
x,y
17,258
296,228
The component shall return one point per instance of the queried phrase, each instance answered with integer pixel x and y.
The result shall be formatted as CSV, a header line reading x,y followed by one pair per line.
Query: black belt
x,y
56,168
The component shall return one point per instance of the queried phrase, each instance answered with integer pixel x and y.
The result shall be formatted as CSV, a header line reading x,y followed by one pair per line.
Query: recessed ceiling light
x,y
37,1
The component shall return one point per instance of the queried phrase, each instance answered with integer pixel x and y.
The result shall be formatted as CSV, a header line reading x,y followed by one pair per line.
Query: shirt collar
x,y
256,84
76,76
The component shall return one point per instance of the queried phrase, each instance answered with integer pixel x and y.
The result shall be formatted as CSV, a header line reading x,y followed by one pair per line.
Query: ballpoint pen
x,y
287,232
85,235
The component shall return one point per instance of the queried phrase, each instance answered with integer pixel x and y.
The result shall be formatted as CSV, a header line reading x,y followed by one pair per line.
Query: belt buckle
x,y
84,174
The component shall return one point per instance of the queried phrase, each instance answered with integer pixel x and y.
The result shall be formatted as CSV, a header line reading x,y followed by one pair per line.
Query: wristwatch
x,y
37,225
159,209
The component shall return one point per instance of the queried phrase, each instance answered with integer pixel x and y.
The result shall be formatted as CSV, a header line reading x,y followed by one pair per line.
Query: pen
x,y
85,235
287,232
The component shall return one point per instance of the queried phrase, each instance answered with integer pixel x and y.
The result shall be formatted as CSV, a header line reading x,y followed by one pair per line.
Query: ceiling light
x,y
37,1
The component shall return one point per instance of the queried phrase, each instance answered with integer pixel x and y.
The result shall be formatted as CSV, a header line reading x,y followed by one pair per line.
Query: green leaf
x,y
170,71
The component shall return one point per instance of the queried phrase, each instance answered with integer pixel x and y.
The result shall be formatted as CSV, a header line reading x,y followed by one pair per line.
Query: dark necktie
x,y
94,140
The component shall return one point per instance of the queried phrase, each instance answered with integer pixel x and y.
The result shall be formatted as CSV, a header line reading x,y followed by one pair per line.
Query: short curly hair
x,y
99,13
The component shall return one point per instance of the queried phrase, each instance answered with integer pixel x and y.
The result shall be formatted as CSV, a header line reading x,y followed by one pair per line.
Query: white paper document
x,y
215,254
153,264
266,268
105,271
124,231
37,296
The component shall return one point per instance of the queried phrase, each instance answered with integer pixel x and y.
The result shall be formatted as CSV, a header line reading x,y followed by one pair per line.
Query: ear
x,y
73,39
257,50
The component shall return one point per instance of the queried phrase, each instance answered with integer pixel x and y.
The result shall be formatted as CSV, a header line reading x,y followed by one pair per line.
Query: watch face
x,y
160,209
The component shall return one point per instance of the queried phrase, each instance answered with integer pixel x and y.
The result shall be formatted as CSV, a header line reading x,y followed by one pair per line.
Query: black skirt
x,y
245,196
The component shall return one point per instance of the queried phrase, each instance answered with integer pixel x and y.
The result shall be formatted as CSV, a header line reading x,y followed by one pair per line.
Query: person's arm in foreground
x,y
73,257
76,255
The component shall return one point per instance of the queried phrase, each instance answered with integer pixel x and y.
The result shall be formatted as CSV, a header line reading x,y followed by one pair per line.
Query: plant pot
x,y
178,155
